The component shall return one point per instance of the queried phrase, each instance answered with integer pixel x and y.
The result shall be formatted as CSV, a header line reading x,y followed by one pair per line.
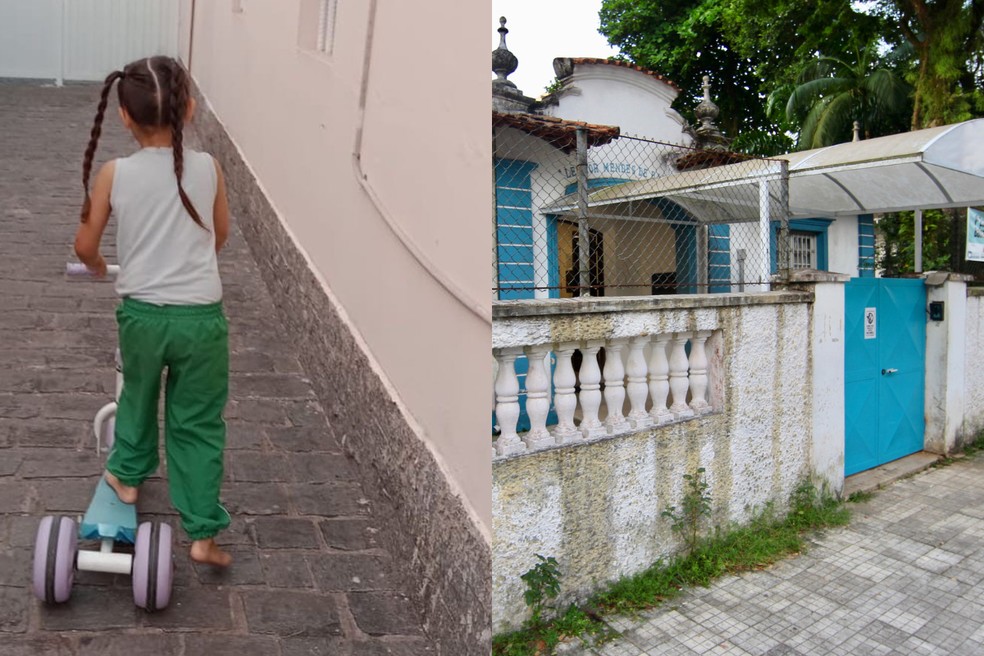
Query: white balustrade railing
x,y
654,373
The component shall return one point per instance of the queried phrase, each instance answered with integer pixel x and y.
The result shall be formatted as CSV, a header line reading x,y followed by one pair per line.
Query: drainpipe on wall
x,y
191,35
446,280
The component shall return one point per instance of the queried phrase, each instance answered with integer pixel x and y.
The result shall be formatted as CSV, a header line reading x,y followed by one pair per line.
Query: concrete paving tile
x,y
285,533
352,572
390,646
126,645
349,534
91,607
384,613
37,645
294,614
286,570
324,646
225,645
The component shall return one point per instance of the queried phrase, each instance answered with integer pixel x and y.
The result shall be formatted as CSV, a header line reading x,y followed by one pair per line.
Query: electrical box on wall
x,y
936,311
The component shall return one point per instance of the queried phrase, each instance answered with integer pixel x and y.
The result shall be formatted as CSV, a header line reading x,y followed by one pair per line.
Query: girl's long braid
x,y
90,150
178,104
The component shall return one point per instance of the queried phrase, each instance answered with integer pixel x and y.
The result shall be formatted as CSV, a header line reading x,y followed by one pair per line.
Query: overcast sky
x,y
540,30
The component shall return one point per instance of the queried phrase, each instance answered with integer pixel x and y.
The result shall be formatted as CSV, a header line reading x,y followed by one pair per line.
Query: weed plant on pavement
x,y
766,539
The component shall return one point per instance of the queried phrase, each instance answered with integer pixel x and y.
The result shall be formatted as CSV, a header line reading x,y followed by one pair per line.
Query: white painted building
x,y
683,247
618,93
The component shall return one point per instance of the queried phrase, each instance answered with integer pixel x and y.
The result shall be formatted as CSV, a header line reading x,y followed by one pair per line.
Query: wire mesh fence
x,y
582,210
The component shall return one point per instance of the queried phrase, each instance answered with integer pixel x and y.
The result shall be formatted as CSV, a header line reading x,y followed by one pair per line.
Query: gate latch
x,y
885,372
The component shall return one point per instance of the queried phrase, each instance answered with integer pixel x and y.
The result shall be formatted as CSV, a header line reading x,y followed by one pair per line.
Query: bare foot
x,y
125,493
209,553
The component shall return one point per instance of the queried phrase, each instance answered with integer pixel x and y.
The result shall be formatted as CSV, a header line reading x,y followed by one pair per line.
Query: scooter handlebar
x,y
79,271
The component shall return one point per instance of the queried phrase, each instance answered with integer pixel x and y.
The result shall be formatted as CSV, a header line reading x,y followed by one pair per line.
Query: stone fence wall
x,y
592,497
974,373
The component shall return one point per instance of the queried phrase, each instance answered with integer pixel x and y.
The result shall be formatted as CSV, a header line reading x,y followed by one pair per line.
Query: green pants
x,y
192,343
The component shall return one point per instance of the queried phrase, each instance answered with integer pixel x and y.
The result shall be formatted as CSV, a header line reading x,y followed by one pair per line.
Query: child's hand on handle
x,y
81,271
98,268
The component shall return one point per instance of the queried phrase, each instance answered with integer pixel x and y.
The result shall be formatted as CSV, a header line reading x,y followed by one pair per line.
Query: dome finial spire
x,y
504,62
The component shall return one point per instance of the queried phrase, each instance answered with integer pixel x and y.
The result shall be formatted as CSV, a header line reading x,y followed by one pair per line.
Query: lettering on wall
x,y
612,168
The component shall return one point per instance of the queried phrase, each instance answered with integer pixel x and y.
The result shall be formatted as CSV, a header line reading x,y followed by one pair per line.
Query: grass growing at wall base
x,y
970,449
756,545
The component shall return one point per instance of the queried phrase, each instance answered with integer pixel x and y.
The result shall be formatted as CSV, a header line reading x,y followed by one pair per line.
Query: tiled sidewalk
x,y
905,577
309,576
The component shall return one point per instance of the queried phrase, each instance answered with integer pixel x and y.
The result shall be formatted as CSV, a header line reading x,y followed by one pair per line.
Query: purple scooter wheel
x,y
153,566
55,550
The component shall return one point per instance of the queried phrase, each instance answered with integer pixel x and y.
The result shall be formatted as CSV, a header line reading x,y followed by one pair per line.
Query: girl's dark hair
x,y
155,93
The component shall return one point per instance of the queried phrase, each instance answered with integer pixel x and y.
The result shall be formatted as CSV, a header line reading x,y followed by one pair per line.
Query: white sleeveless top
x,y
165,257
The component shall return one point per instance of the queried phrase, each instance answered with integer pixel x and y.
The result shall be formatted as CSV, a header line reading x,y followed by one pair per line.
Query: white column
x,y
637,388
541,256
826,349
590,397
679,380
565,401
918,233
615,386
537,396
946,362
659,379
762,268
507,401
698,373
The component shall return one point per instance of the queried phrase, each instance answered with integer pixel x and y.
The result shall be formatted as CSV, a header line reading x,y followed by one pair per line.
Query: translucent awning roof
x,y
722,194
923,169
936,167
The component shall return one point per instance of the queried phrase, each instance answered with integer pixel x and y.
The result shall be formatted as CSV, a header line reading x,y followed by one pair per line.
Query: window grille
x,y
316,26
804,250
326,25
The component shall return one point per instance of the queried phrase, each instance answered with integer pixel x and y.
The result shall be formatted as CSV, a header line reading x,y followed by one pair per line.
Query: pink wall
x,y
405,251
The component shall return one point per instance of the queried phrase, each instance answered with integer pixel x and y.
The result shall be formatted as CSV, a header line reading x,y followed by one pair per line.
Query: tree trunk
x,y
923,50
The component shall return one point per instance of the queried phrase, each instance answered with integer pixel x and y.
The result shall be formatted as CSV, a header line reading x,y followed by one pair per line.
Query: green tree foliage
x,y
753,49
749,48
684,40
832,93
784,36
896,252
947,40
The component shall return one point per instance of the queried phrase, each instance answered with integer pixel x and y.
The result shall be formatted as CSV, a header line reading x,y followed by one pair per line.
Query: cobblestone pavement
x,y
905,577
309,576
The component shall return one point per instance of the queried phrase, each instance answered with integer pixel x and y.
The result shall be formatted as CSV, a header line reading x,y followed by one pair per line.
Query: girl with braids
x,y
172,218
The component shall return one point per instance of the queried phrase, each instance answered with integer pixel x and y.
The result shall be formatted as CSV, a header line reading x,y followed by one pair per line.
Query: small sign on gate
x,y
975,235
870,321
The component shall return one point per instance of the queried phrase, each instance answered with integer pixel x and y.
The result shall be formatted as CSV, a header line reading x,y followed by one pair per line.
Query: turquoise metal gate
x,y
885,363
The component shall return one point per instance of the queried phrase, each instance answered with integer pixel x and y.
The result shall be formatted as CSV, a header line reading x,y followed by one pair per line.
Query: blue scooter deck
x,y
108,517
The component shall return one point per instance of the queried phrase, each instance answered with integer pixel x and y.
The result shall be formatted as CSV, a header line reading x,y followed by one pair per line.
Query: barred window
x,y
317,25
803,253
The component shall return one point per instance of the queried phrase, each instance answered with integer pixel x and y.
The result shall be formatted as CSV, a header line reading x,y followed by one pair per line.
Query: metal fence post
x,y
784,236
703,257
495,217
583,236
918,232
